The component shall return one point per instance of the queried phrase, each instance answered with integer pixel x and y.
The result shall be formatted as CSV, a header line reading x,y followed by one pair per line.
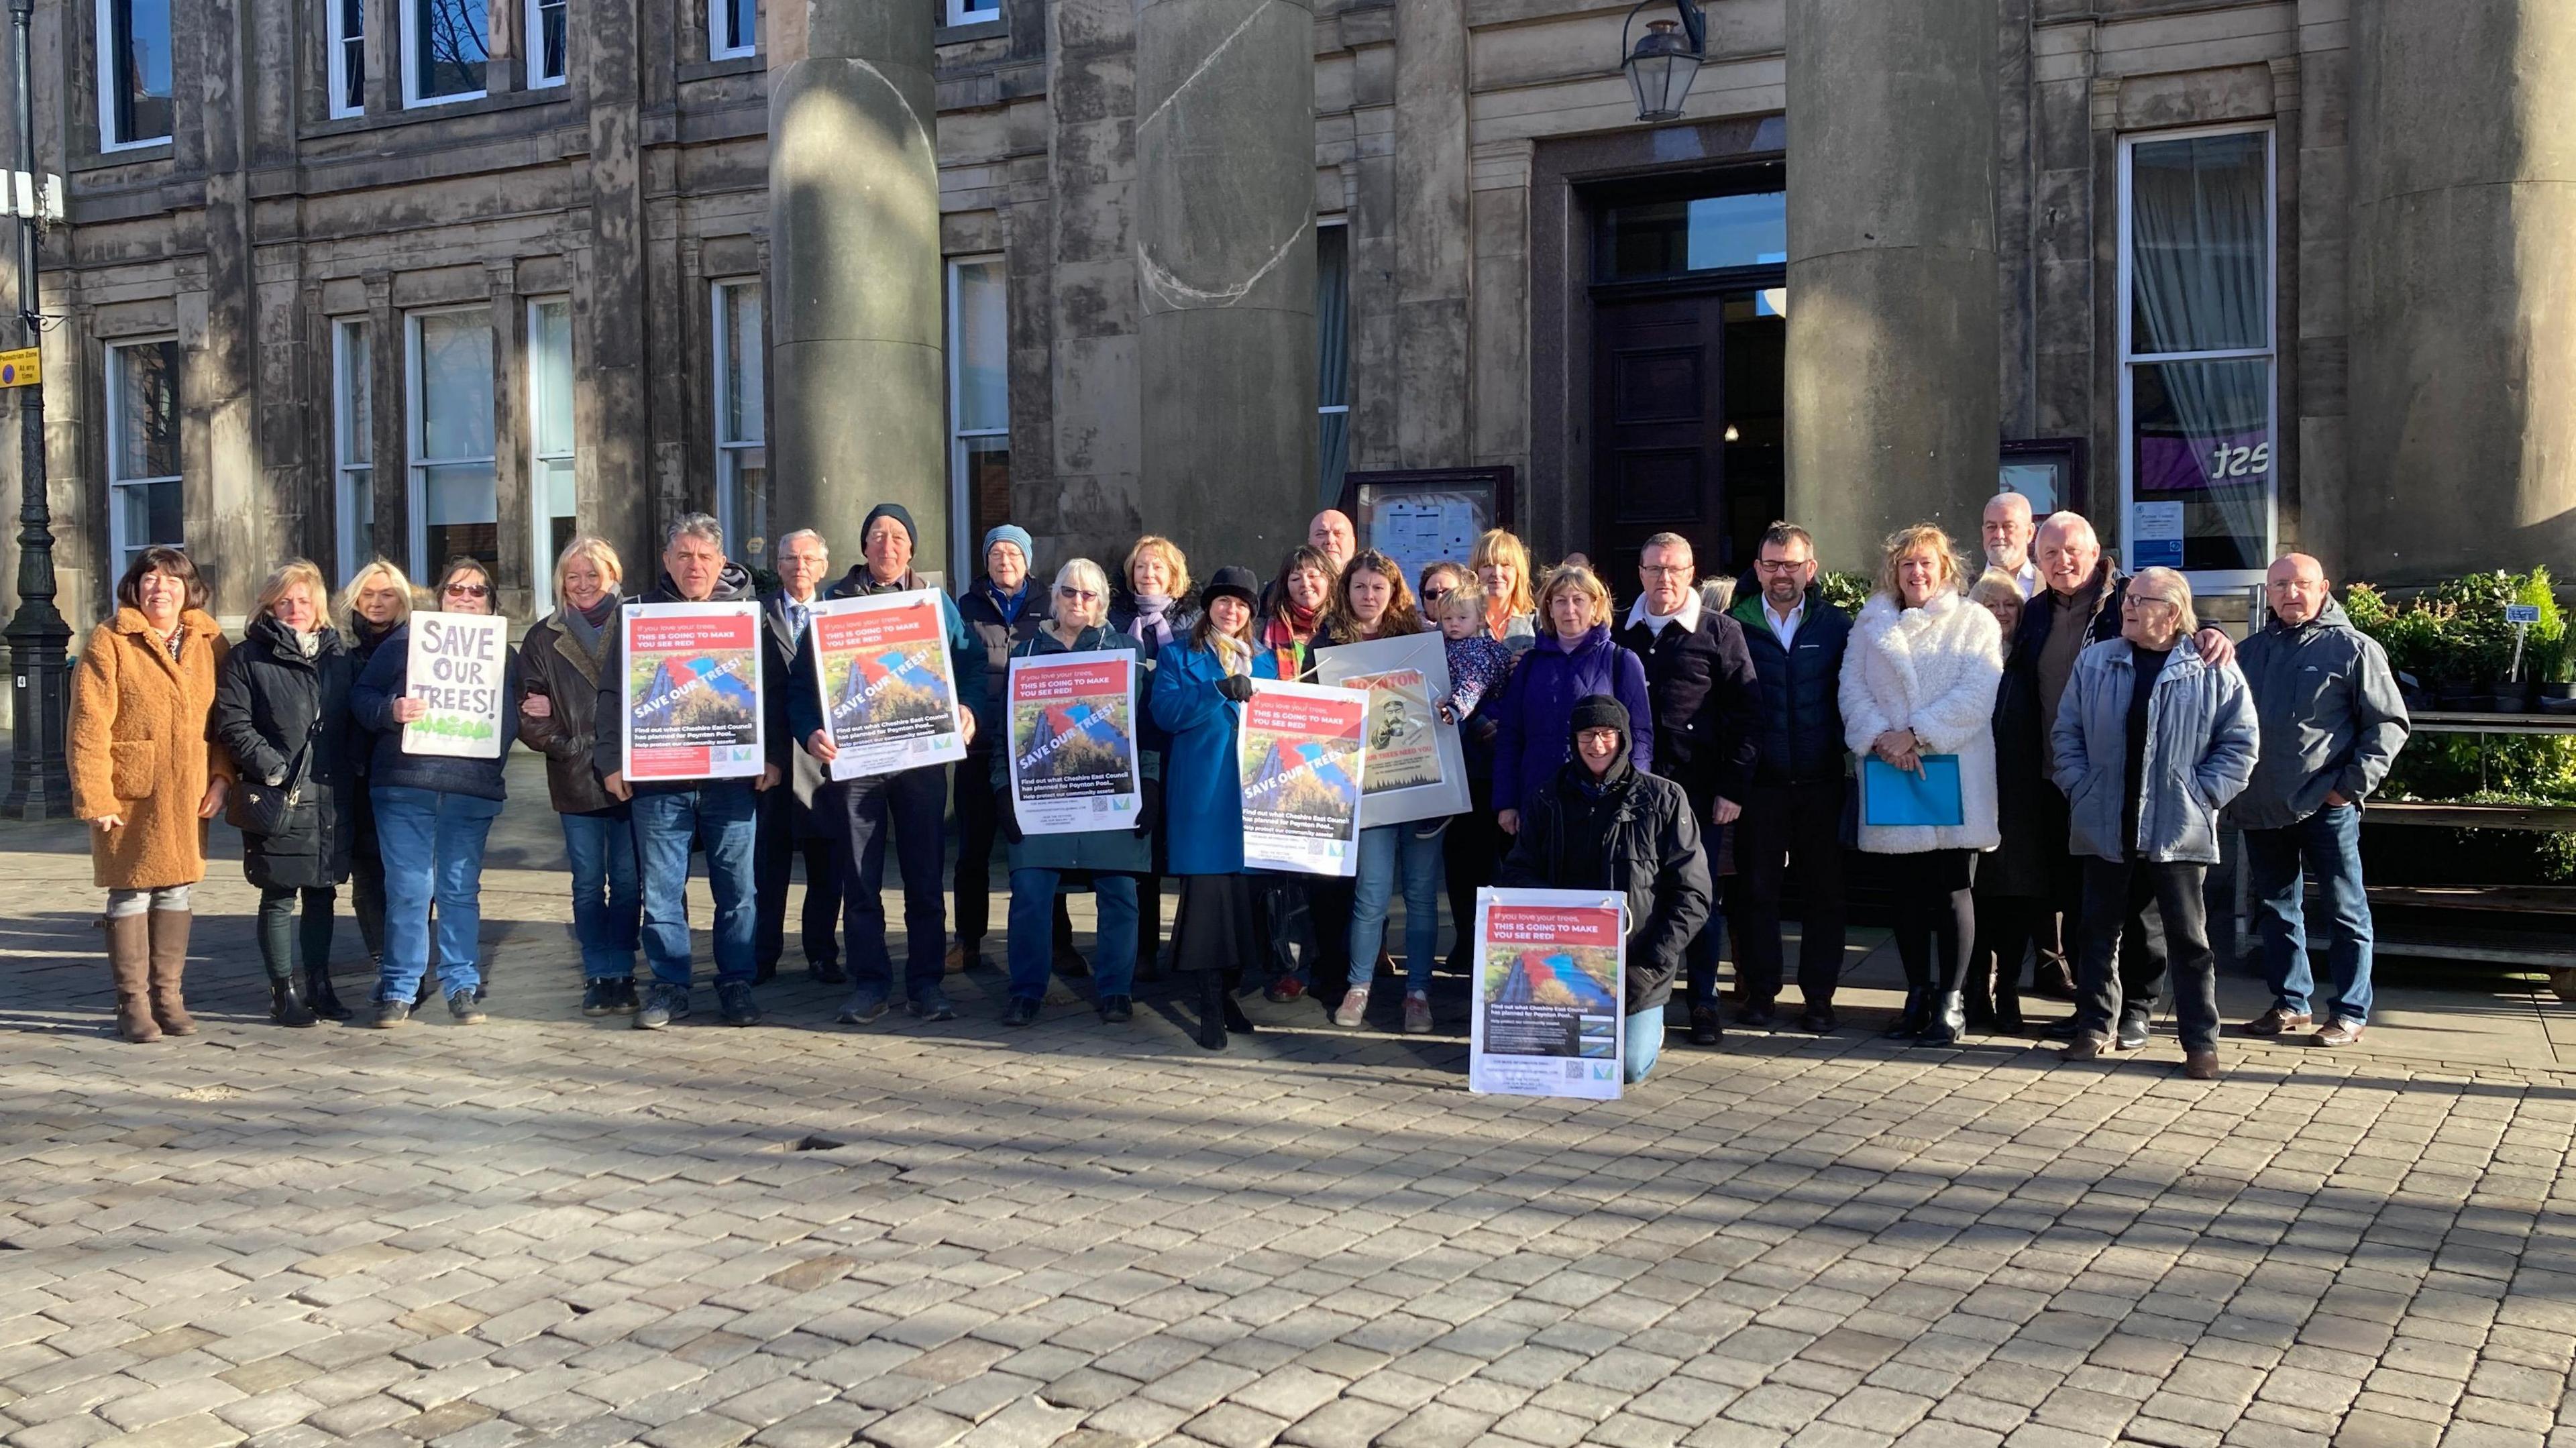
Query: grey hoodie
x,y
2331,715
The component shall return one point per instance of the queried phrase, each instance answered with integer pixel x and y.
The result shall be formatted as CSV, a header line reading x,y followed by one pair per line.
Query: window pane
x,y
743,499
357,396
139,68
151,515
2203,457
455,386
742,365
451,40
147,421
737,24
1705,233
460,508
352,18
988,482
550,346
1333,316
982,348
550,40
2200,245
1332,456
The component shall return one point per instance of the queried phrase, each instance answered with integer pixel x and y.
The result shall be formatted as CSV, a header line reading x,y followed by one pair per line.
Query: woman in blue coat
x,y
1112,859
1574,658
1199,689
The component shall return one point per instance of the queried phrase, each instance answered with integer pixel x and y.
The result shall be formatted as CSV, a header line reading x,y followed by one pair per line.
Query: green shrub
x,y
1847,591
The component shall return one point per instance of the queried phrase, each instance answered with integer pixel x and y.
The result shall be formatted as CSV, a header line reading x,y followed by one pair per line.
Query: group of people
x,y
2086,734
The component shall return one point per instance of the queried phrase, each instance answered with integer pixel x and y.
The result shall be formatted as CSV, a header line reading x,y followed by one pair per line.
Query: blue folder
x,y
1889,796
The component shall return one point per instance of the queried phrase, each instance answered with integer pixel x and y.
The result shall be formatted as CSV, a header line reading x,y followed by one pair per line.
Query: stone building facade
x,y
2229,275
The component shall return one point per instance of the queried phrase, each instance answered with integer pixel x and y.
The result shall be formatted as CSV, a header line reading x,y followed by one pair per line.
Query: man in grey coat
x,y
2332,723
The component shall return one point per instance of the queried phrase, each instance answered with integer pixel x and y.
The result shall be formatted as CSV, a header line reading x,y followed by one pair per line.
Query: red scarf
x,y
1286,635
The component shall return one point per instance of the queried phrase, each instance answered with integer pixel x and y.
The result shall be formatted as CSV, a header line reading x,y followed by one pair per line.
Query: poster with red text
x,y
1073,742
1302,755
889,687
692,691
1551,971
1417,769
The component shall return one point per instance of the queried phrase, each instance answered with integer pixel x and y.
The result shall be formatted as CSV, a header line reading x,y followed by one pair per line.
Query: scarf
x,y
1008,605
1232,654
173,639
308,640
1151,621
1286,633
587,627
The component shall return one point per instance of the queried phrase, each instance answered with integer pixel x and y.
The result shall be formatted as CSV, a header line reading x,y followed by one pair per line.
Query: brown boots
x,y
129,958
147,953
169,960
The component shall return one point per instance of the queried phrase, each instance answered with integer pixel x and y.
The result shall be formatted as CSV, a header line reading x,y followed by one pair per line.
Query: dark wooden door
x,y
1658,430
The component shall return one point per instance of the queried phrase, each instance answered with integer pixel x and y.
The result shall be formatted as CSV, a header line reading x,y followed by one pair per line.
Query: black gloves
x,y
1005,818
1149,807
1237,687
1482,730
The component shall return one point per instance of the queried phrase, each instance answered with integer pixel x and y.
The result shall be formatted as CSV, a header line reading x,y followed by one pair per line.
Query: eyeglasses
x,y
1781,565
469,590
1085,595
2143,599
1667,571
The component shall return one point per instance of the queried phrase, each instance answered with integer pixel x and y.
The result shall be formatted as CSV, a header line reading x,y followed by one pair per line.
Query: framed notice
x,y
460,667
1426,515
1072,722
1416,768
692,691
1302,755
1550,992
889,686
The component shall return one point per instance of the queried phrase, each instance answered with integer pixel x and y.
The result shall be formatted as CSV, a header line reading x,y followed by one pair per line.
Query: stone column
x,y
858,392
2463,300
1892,360
1225,252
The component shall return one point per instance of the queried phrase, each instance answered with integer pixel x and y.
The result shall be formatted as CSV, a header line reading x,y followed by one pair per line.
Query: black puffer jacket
x,y
1799,733
1640,838
272,701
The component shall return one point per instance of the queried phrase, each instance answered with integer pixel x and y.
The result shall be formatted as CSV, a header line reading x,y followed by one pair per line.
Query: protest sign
x,y
1073,742
1301,758
1416,767
889,687
459,666
1549,994
692,691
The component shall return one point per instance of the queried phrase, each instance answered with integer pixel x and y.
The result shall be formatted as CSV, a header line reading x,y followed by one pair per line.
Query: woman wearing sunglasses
x,y
433,814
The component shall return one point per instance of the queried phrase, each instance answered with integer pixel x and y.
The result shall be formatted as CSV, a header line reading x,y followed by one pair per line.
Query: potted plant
x,y
2544,641
2477,644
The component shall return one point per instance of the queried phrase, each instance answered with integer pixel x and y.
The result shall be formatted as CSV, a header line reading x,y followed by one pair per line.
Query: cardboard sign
x,y
692,691
459,666
1550,994
1417,769
1301,757
1073,742
889,686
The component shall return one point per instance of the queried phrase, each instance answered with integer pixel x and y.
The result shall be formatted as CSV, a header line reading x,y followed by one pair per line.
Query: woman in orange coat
x,y
147,776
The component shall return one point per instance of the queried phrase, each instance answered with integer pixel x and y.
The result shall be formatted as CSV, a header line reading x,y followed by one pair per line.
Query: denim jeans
x,y
912,805
1645,1042
607,900
1113,970
1386,850
721,817
2329,843
432,845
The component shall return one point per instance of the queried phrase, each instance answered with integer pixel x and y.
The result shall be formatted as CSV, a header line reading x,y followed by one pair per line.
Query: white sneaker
x,y
1354,1007
1417,1013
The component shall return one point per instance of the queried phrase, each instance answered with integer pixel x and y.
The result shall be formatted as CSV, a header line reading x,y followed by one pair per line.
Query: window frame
x,y
2269,353
535,11
118,545
961,504
416,429
335,22
970,12
717,49
1325,409
409,20
353,483
104,12
541,514
729,449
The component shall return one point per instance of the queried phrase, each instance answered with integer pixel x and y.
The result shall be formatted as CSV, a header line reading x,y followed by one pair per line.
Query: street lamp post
x,y
1665,60
39,640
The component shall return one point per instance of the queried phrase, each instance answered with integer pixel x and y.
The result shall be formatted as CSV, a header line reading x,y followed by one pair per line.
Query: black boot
x,y
1212,1004
2008,1021
1977,1000
319,997
1235,1019
286,1002
1947,1022
1916,1015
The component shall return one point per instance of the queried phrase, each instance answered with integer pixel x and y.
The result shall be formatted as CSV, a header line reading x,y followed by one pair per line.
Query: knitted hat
x,y
1238,582
1013,534
1598,711
896,511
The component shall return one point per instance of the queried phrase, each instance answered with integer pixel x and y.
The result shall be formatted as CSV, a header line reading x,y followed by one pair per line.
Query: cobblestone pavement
x,y
548,1229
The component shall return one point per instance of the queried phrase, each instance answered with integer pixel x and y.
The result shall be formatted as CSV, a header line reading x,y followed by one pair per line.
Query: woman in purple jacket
x,y
1575,657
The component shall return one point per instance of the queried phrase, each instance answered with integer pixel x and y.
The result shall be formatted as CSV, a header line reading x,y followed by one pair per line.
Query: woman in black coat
x,y
282,709
378,602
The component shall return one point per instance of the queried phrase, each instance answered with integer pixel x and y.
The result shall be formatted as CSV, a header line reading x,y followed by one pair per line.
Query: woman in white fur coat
x,y
1919,678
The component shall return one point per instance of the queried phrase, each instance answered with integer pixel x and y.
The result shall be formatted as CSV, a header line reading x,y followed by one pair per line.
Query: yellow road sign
x,y
19,368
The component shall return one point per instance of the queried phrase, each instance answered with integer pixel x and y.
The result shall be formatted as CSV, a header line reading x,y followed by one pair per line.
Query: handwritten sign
x,y
459,667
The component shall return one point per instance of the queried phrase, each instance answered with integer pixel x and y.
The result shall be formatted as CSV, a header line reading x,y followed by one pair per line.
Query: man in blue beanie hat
x,y
996,609
912,804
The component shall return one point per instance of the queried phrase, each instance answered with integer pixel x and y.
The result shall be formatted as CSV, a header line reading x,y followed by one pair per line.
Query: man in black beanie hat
x,y
1604,824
